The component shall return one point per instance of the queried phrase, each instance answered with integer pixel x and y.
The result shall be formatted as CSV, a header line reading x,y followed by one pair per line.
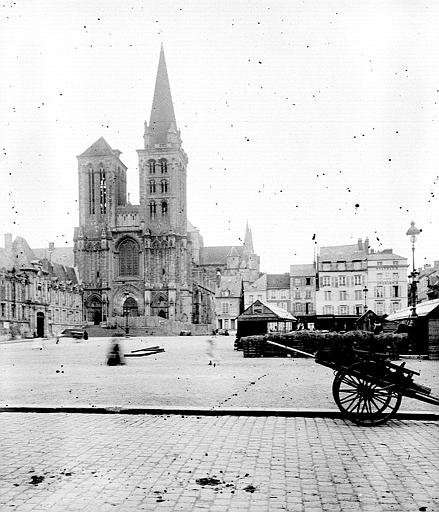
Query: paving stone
x,y
116,462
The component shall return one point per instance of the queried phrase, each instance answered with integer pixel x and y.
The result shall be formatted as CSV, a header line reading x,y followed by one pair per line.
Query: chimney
x,y
360,244
436,264
366,245
51,246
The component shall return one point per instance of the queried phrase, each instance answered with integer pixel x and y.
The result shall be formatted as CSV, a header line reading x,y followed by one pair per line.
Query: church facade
x,y
142,260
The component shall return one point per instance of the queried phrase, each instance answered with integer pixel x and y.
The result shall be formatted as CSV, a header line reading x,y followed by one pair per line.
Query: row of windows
x,y
38,291
302,281
154,165
379,291
307,308
355,280
279,294
153,186
341,265
22,312
358,309
153,208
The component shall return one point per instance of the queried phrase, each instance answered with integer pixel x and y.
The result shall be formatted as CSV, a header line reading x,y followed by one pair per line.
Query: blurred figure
x,y
210,351
115,356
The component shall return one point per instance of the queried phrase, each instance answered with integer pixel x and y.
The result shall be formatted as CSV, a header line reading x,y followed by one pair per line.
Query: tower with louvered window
x,y
136,260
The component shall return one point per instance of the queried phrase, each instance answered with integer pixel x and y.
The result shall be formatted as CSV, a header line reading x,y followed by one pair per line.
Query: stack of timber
x,y
147,351
330,345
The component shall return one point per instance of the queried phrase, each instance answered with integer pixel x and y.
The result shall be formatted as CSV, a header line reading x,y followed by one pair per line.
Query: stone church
x,y
145,260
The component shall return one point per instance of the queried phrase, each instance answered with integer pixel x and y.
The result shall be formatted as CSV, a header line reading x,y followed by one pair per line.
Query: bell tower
x,y
163,163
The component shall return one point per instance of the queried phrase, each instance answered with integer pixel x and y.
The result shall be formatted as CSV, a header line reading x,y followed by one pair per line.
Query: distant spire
x,y
248,240
162,111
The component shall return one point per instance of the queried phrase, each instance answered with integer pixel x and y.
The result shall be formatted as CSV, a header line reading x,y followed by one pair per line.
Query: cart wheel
x,y
365,393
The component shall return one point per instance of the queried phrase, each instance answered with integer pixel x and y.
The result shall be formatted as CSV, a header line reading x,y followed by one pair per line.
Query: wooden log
x,y
147,353
146,348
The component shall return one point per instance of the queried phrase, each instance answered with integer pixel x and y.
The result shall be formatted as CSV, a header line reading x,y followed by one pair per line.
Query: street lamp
x,y
126,312
412,232
365,290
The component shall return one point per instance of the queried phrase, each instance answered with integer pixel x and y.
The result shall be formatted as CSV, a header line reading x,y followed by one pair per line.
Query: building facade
x,y
342,279
137,260
386,282
303,292
428,282
37,297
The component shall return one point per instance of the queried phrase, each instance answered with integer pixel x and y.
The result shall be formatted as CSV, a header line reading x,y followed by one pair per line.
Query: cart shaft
x,y
290,348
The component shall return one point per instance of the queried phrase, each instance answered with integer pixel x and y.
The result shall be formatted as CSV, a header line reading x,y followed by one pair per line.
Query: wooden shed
x,y
261,318
426,326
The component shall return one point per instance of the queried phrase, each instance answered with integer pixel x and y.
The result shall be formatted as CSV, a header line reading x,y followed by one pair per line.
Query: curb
x,y
201,411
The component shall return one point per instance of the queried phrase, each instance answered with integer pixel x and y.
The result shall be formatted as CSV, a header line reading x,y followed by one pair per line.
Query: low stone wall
x,y
170,327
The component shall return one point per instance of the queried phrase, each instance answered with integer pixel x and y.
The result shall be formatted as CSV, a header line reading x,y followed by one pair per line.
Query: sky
x,y
314,121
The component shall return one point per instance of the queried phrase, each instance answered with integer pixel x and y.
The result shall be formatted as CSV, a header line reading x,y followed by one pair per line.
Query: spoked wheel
x,y
365,394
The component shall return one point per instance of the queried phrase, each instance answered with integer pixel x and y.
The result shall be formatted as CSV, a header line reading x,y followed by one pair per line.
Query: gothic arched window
x,y
164,186
102,190
128,258
163,165
91,190
151,164
164,207
152,187
152,208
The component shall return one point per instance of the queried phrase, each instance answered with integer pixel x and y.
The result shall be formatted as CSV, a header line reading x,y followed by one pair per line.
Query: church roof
x,y
100,148
61,255
217,255
162,112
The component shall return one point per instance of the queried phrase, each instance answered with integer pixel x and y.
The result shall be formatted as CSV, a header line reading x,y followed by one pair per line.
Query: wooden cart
x,y
368,387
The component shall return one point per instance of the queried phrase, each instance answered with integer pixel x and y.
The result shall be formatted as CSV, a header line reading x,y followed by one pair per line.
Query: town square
x,y
219,267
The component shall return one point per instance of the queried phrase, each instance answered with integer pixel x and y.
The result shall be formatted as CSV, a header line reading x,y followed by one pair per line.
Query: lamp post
x,y
365,290
412,232
126,312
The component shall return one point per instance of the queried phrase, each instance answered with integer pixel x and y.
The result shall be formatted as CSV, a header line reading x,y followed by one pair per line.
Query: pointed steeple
x,y
162,117
248,240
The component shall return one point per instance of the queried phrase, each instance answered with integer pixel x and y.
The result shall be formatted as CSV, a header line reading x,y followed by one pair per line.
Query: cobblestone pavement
x,y
74,373
89,462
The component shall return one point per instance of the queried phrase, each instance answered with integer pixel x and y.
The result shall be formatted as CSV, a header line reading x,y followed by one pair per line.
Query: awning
x,y
422,309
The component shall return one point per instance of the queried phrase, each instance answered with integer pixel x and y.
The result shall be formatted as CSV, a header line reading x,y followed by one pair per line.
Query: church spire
x,y
162,120
248,240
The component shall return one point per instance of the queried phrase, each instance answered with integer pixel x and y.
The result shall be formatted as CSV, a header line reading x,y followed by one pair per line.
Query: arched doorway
x,y
130,307
94,310
40,325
